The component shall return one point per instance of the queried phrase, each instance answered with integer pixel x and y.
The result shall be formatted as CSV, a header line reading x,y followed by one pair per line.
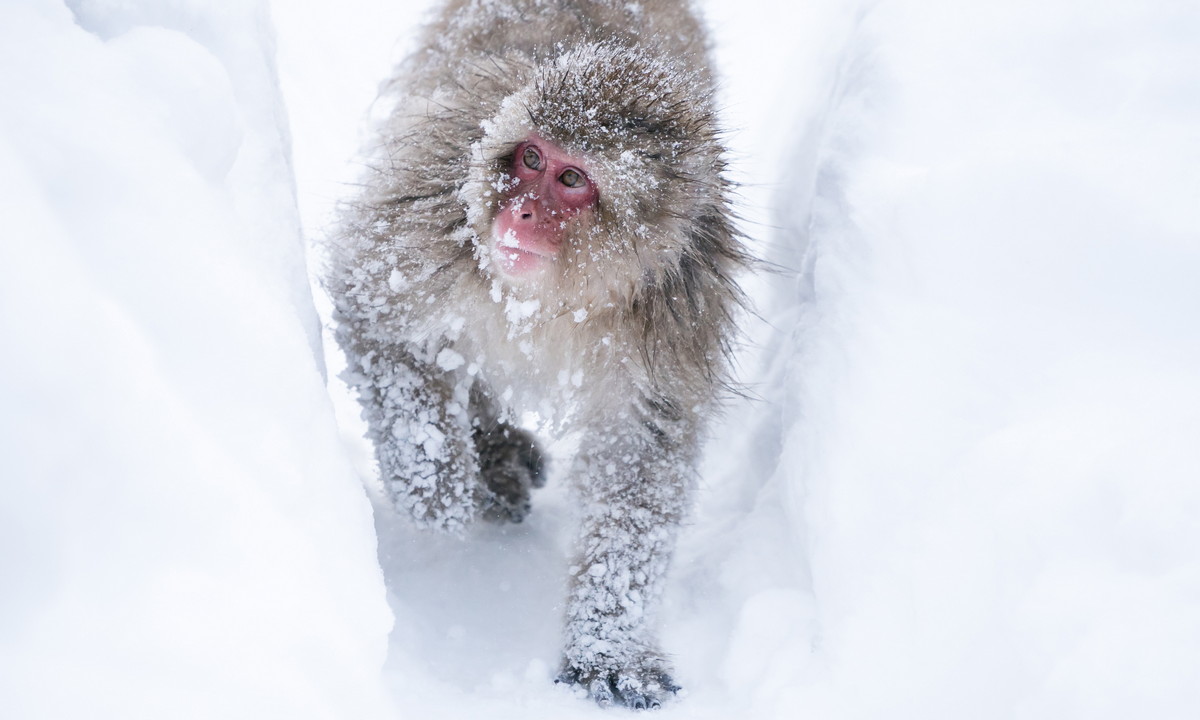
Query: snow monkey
x,y
544,231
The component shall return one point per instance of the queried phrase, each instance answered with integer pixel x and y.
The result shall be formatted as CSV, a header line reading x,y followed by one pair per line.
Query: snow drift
x,y
989,365
182,534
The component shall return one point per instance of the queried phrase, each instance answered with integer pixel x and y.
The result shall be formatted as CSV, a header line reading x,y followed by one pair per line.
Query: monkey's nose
x,y
529,211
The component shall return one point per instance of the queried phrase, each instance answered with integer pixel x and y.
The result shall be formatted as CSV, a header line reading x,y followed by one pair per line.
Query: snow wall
x,y
181,535
968,487
986,446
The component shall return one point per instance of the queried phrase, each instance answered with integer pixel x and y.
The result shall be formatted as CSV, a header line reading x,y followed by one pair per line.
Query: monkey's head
x,y
546,189
596,176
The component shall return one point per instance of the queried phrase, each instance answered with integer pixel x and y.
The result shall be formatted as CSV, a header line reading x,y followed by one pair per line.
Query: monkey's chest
x,y
562,373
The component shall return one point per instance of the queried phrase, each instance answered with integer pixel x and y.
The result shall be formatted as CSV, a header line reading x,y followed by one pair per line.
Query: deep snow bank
x,y
990,365
182,535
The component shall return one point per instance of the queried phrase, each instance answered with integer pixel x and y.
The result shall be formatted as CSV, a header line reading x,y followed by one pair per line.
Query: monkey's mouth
x,y
521,260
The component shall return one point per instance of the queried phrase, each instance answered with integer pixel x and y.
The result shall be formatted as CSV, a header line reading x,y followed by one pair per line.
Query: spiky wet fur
x,y
624,339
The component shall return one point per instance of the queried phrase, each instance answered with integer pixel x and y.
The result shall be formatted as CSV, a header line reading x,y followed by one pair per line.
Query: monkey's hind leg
x,y
511,463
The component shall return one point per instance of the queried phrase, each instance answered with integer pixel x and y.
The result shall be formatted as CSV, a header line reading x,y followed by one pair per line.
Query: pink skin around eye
x,y
530,227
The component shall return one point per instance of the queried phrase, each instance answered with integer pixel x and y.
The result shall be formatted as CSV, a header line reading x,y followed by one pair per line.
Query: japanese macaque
x,y
545,227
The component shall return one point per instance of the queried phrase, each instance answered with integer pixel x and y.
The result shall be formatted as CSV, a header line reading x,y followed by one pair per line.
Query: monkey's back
x,y
469,31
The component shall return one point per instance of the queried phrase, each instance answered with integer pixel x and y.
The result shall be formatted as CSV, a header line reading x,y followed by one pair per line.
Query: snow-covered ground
x,y
970,486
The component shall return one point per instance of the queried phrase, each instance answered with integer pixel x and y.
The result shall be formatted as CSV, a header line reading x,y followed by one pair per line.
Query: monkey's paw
x,y
511,464
643,686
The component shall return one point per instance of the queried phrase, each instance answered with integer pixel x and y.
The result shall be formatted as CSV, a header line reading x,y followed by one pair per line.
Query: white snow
x,y
180,532
396,281
449,360
969,488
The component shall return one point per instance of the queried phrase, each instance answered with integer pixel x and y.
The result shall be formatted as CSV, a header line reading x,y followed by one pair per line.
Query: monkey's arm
x,y
417,417
511,463
637,479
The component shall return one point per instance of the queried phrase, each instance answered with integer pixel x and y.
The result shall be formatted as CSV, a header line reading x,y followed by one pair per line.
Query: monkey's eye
x,y
572,178
532,159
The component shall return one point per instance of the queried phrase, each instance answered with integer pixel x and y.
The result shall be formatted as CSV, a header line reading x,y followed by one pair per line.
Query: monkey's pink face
x,y
550,188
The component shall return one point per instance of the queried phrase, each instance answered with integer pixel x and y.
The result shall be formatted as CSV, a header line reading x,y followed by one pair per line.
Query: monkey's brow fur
x,y
624,339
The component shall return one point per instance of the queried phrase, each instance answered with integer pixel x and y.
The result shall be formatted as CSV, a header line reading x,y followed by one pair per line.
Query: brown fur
x,y
625,341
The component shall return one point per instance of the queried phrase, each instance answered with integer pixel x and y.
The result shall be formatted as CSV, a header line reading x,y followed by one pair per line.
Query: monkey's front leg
x,y
636,486
511,462
417,416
